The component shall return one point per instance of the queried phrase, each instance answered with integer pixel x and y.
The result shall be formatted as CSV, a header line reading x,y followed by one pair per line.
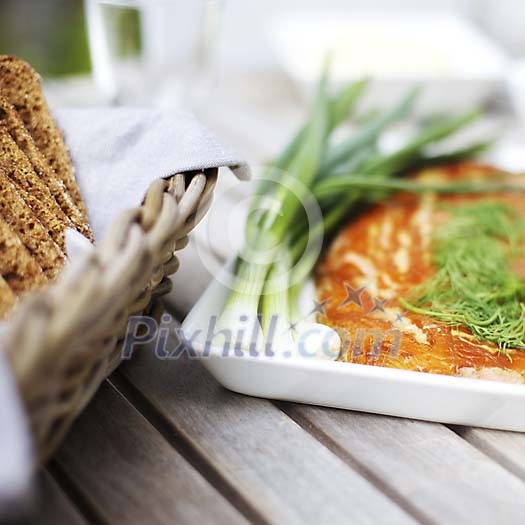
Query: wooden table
x,y
163,442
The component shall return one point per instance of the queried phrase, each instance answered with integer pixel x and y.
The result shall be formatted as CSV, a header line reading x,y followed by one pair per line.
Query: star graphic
x,y
292,327
353,295
379,306
400,317
319,307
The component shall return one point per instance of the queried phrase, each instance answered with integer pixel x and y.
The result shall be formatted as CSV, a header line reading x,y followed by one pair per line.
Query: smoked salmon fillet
x,y
381,256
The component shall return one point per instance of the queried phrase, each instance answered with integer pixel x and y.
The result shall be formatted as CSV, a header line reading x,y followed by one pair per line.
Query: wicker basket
x,y
65,341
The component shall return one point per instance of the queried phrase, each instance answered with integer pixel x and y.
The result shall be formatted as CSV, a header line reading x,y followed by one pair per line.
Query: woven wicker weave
x,y
65,341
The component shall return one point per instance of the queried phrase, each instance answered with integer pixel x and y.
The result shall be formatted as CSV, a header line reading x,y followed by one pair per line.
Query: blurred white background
x,y
246,22
240,45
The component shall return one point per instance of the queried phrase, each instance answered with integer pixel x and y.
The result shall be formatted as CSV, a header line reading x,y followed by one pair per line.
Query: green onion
x,y
383,167
404,157
331,187
339,109
368,134
275,261
264,239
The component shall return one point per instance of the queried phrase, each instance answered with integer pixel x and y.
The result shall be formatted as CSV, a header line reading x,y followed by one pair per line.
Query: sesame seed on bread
x,y
7,296
20,85
19,272
14,125
35,192
19,216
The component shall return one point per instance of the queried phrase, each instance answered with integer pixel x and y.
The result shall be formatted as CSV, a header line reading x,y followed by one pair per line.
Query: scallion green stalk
x,y
244,298
363,137
274,263
331,187
340,108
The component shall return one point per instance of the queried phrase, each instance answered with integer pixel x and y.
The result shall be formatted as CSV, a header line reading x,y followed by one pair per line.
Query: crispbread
x,y
21,219
18,270
12,122
7,296
20,85
17,167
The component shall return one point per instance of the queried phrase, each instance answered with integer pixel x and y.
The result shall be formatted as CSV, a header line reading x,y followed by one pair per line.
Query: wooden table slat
x,y
507,448
280,468
130,474
48,505
425,464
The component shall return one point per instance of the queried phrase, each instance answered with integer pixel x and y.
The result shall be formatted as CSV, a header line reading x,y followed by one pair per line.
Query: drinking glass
x,y
153,52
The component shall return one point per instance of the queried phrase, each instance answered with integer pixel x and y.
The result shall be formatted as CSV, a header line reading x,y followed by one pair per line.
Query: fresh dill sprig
x,y
474,286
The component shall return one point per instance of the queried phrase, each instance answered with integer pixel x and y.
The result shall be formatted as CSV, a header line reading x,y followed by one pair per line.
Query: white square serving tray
x,y
466,65
380,390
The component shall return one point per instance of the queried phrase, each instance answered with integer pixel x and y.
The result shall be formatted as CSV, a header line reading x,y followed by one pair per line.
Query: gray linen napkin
x,y
117,153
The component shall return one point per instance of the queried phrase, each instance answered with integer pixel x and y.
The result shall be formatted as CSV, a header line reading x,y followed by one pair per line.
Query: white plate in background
x,y
380,390
516,84
457,65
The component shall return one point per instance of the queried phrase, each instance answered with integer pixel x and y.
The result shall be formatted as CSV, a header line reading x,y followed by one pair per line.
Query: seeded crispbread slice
x,y
18,270
35,192
7,296
20,218
12,122
20,85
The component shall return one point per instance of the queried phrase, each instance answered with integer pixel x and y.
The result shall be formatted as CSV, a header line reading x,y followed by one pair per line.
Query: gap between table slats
x,y
287,474
48,504
181,442
75,496
506,448
440,476
354,463
120,469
